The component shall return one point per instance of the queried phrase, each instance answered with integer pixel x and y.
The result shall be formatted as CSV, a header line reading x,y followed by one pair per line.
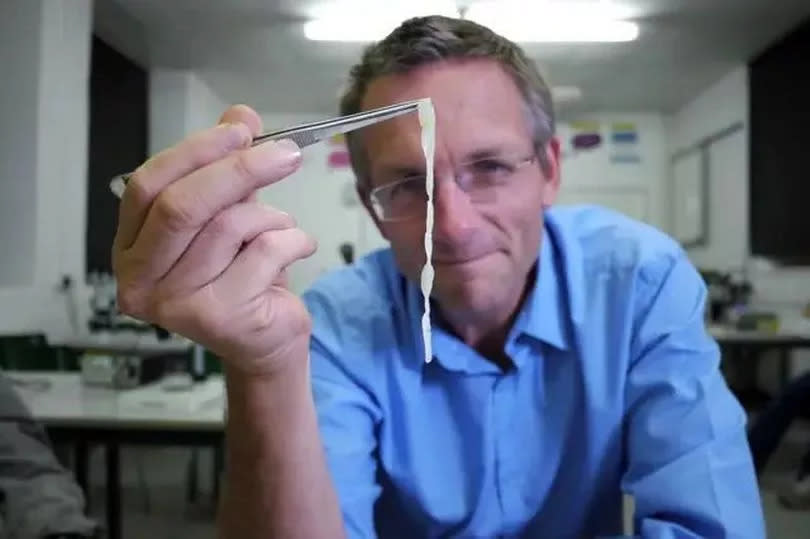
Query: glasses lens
x,y
401,199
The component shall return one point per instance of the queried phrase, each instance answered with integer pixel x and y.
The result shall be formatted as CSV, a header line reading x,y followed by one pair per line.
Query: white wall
x,y
20,27
635,188
45,48
722,105
179,104
719,106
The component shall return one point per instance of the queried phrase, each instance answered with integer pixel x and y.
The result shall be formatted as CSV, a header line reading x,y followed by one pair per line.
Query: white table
x,y
731,335
84,416
124,343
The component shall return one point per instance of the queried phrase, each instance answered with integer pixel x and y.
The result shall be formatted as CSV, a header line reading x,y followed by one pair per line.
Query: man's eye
x,y
407,188
491,166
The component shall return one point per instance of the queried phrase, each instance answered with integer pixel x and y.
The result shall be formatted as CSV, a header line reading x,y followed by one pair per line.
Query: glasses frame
x,y
376,205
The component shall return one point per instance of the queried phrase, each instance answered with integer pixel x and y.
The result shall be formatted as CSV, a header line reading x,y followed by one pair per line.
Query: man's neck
x,y
487,332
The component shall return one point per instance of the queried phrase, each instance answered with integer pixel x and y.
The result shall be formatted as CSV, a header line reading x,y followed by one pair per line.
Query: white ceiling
x,y
253,51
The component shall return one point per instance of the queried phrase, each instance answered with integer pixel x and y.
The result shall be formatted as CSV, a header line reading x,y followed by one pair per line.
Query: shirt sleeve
x,y
348,417
688,465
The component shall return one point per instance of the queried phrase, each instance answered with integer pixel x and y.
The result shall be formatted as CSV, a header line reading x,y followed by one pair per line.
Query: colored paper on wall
x,y
586,141
624,133
339,159
586,126
586,135
624,143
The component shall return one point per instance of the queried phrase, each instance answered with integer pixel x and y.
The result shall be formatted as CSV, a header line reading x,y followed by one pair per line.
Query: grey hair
x,y
424,40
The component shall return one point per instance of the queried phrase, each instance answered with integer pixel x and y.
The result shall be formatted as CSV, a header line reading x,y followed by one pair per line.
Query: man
x,y
39,499
571,362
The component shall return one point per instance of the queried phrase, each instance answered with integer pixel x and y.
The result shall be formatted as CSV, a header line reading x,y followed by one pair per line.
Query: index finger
x,y
237,125
185,206
160,171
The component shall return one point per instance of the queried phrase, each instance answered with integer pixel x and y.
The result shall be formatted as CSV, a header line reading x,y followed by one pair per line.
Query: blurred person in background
x,y
39,498
769,429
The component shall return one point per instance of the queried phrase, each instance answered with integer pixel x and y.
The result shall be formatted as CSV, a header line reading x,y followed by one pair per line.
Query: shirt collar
x,y
543,314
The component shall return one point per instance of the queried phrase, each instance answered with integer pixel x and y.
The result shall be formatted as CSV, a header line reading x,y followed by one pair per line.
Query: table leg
x,y
784,367
113,491
80,469
192,470
219,465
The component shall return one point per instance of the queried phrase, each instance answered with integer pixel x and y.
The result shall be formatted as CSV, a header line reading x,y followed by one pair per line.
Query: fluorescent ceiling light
x,y
565,32
358,10
350,28
554,22
540,10
566,94
366,20
522,21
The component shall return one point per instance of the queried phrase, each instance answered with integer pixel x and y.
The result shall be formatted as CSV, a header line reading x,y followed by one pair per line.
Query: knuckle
x,y
173,211
164,313
243,167
266,243
130,302
137,188
207,321
225,225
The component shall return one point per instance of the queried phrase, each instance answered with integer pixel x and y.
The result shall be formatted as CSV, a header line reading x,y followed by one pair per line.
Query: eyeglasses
x,y
406,197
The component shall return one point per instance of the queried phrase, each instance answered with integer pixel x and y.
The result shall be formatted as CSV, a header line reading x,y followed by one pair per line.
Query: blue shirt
x,y
615,388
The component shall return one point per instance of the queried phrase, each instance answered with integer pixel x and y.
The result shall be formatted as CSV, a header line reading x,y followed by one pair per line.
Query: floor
x,y
165,512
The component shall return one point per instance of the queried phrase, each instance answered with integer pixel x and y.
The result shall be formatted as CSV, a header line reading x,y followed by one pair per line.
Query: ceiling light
x,y
358,10
554,22
565,32
566,94
521,21
348,29
365,20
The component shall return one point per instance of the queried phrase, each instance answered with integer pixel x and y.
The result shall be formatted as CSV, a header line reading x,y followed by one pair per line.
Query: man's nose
x,y
454,215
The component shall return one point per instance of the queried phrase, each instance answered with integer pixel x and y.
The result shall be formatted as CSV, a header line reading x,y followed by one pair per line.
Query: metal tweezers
x,y
312,132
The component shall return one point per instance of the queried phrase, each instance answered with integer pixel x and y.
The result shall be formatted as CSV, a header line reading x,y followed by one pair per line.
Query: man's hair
x,y
424,40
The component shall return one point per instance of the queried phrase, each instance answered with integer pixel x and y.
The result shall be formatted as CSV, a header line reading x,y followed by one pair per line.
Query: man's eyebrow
x,y
485,153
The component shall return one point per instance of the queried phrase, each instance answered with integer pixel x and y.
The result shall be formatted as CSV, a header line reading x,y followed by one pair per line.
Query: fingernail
x,y
290,149
280,153
289,217
272,158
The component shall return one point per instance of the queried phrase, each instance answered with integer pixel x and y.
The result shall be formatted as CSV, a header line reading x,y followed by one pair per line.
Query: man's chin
x,y
456,294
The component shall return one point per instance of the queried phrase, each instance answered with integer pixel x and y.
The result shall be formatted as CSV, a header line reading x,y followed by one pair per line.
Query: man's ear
x,y
363,196
552,172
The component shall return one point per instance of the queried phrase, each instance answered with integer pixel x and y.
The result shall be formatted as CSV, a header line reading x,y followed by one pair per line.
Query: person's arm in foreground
x,y
196,254
39,497
689,465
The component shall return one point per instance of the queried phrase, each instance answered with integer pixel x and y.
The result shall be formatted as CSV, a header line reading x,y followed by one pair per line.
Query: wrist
x,y
267,392
282,363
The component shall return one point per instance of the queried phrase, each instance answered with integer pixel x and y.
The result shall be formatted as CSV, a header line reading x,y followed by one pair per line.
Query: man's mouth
x,y
445,261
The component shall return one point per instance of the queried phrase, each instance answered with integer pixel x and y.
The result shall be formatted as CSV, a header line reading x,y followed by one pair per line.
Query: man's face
x,y
484,245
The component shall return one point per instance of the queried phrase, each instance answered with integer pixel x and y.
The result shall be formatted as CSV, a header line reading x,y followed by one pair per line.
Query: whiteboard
x,y
688,198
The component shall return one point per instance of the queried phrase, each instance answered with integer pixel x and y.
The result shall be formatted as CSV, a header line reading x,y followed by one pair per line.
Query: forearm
x,y
277,483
